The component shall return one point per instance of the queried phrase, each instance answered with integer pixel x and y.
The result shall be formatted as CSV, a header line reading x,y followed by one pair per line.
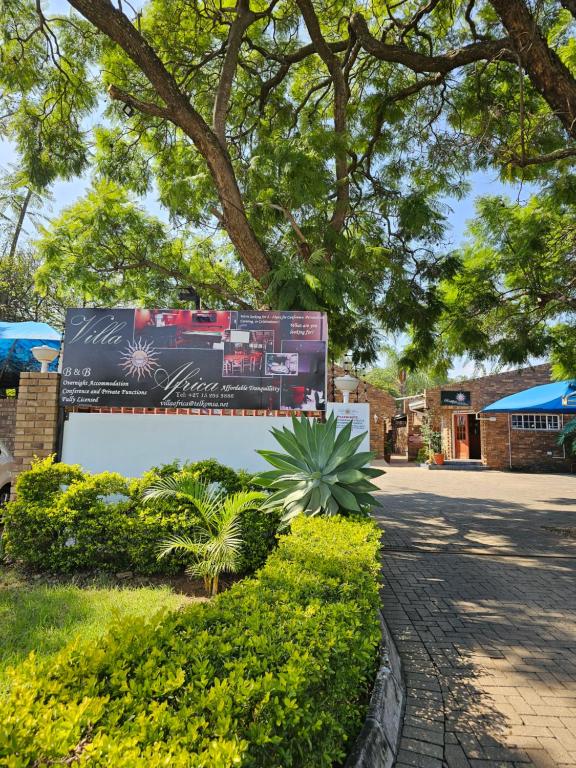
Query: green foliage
x,y
410,138
65,520
394,377
431,438
114,252
44,618
515,297
215,542
567,438
321,473
274,671
422,456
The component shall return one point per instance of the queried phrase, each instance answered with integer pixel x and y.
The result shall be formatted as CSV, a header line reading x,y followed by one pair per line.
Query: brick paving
x,y
481,601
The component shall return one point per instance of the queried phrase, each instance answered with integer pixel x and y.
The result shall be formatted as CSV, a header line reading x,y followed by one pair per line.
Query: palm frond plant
x,y
321,473
216,541
567,437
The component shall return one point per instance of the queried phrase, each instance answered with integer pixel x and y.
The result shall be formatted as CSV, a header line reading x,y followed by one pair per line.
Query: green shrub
x,y
274,672
65,519
45,480
259,533
78,526
208,470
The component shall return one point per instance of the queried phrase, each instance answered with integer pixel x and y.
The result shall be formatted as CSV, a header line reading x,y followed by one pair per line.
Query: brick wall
x,y
36,417
8,421
529,450
381,403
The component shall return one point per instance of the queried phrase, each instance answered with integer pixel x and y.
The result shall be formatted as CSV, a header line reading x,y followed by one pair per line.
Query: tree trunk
x,y
20,223
548,74
115,25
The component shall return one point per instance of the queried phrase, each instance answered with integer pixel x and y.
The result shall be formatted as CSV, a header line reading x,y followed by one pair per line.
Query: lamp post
x,y
45,355
346,384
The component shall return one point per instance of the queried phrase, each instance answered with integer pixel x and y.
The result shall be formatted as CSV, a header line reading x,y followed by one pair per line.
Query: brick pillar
x,y
36,418
8,421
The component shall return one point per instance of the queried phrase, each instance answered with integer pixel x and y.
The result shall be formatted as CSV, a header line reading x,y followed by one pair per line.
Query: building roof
x,y
16,341
558,397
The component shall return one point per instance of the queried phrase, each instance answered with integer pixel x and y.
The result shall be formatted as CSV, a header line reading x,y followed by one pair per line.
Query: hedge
x,y
65,520
274,672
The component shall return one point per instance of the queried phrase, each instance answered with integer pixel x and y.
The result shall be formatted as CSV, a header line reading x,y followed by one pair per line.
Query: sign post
x,y
358,414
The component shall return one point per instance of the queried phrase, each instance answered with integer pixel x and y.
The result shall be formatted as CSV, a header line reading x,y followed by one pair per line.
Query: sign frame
x,y
200,359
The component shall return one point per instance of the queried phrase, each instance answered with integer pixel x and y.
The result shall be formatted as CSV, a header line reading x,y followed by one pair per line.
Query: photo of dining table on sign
x,y
244,352
281,364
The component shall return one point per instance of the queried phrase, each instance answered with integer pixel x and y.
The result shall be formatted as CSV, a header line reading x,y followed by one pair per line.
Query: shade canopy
x,y
16,342
558,397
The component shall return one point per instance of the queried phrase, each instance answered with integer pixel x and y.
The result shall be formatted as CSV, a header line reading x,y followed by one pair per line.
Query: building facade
x,y
499,441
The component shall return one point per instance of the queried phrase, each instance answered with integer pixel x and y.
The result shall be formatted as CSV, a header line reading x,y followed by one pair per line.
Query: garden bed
x,y
44,613
275,671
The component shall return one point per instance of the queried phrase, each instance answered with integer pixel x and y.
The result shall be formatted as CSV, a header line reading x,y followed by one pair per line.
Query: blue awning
x,y
558,397
16,342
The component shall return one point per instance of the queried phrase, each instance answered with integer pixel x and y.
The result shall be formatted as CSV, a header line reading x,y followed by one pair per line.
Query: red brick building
x,y
469,435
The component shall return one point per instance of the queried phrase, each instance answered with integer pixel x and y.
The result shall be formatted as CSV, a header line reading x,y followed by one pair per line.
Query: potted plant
x,y
432,442
436,447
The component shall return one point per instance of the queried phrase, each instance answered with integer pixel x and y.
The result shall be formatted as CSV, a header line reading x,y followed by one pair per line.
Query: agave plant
x,y
217,540
321,472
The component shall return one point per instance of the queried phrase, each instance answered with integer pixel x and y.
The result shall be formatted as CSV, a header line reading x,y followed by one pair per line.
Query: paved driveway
x,y
481,599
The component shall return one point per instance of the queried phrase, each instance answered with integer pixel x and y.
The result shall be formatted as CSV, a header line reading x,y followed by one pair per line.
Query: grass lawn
x,y
45,617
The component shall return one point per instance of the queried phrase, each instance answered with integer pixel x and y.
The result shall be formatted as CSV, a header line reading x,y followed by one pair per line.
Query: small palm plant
x,y
567,438
321,473
217,540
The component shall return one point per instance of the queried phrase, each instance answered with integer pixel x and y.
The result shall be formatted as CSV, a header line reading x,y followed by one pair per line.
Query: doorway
x,y
466,436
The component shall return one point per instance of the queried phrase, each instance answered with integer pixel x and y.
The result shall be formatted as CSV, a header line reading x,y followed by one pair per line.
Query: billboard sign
x,y
160,358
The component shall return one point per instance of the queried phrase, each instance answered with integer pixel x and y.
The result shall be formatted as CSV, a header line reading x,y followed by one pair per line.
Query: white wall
x,y
132,443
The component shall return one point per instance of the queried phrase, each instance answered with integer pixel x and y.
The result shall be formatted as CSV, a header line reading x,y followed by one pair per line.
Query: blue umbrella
x,y
16,342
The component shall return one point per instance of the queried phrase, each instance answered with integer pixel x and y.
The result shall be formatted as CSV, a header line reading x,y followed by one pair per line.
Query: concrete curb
x,y
377,743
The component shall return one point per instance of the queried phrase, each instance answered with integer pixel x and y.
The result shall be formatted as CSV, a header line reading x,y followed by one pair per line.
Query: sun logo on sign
x,y
139,359
461,397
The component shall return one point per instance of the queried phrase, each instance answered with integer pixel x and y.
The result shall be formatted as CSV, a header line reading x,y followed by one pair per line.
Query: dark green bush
x,y
65,519
259,531
209,470
274,672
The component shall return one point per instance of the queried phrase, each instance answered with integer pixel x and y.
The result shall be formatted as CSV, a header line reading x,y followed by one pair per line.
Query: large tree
x,y
515,295
319,138
20,300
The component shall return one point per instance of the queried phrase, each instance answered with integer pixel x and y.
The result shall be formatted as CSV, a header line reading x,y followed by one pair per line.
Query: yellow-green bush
x,y
273,673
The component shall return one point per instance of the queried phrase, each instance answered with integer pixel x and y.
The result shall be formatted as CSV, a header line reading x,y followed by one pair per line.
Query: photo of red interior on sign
x,y
161,358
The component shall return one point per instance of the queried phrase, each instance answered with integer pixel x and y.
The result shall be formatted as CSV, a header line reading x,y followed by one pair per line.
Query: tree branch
x,y
154,110
244,17
419,62
115,25
550,157
20,223
341,95
548,74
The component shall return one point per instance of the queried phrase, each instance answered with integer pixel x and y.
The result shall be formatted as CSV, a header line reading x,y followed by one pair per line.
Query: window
x,y
535,421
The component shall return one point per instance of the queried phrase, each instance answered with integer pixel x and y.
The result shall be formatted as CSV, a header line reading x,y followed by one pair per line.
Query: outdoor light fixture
x,y
45,355
128,110
346,384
